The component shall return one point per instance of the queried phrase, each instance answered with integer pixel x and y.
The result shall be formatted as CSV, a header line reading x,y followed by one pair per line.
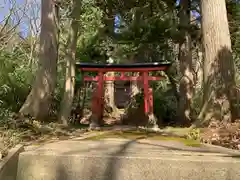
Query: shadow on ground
x,y
110,172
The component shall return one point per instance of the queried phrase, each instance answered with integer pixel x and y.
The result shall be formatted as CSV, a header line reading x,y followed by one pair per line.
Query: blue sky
x,y
5,5
30,7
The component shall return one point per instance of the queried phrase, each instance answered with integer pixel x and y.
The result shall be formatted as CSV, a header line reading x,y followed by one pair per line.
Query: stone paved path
x,y
122,159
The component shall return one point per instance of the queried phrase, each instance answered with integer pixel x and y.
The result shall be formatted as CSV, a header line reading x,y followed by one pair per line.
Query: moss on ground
x,y
135,135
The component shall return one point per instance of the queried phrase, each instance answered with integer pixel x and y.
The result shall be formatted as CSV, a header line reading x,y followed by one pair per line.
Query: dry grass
x,y
36,133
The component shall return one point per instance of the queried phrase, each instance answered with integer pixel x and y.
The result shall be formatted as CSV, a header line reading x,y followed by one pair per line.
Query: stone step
x,y
123,160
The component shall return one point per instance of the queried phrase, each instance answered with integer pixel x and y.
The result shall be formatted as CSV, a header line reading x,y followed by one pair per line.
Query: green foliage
x,y
233,9
15,81
165,106
196,105
145,31
165,103
194,134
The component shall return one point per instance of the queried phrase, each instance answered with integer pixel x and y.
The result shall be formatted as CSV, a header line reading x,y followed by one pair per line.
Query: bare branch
x,y
13,11
6,19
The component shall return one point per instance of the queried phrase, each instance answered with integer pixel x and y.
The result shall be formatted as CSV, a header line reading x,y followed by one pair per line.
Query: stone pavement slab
x,y
121,159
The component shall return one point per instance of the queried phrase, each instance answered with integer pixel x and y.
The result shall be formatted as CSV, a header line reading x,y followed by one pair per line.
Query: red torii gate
x,y
143,68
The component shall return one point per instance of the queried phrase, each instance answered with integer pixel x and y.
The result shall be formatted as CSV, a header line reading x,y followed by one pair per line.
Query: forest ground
x,y
29,132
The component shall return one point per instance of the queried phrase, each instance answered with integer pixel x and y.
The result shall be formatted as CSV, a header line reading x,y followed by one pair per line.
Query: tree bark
x,y
186,67
38,102
219,75
135,85
109,99
66,104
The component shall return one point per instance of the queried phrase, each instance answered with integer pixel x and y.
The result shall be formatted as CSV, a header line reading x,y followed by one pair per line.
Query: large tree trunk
x,y
38,102
219,75
68,96
135,85
185,62
109,99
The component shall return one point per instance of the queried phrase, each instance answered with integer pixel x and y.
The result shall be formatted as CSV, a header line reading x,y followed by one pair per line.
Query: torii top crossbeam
x,y
136,67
